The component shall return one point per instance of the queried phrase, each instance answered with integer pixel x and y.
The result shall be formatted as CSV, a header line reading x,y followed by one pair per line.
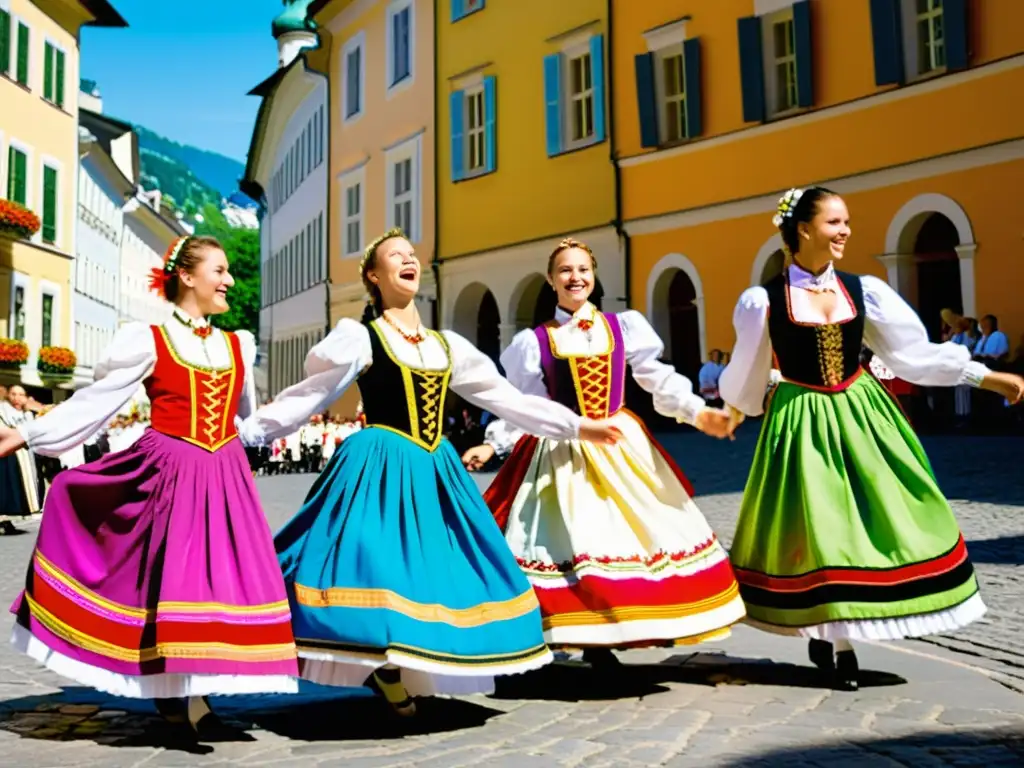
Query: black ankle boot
x,y
172,710
601,658
822,655
847,670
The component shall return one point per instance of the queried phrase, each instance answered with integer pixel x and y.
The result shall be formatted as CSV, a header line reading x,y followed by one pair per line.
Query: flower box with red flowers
x,y
13,353
17,221
56,362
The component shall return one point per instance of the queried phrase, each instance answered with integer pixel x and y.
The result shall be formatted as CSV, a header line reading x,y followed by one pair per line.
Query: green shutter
x,y
21,189
16,176
49,205
23,43
5,42
48,72
59,85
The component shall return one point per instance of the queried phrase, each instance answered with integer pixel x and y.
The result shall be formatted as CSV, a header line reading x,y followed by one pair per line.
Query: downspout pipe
x,y
620,229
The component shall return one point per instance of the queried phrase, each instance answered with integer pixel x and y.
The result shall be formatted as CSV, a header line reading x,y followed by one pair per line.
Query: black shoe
x,y
602,659
211,728
822,655
172,710
847,670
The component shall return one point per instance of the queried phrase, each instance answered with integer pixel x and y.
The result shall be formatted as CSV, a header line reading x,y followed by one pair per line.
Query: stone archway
x,y
938,272
675,308
528,306
476,316
768,262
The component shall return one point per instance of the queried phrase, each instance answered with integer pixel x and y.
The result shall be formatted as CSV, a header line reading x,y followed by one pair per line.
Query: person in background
x,y
707,379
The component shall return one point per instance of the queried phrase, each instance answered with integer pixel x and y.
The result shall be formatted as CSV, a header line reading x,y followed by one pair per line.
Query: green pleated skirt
x,y
843,531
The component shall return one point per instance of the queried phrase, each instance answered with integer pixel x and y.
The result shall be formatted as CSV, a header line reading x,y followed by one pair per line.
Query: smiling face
x,y
826,234
395,271
209,281
572,277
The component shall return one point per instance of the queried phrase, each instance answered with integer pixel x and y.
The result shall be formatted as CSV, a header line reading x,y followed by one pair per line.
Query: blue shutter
x,y
647,103
597,73
887,40
751,68
804,51
490,112
457,102
691,73
954,25
553,102
457,10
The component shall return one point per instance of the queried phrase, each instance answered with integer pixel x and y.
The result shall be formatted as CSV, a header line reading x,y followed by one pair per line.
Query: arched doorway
x,y
773,267
938,271
488,333
676,316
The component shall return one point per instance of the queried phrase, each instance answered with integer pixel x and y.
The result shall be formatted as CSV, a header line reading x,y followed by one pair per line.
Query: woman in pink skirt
x,y
154,575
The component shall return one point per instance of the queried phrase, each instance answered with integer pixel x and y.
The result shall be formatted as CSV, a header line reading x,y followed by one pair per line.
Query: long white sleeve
x,y
124,366
476,378
673,393
744,381
522,364
331,367
894,332
247,399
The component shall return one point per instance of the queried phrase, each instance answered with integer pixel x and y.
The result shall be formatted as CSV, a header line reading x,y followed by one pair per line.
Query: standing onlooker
x,y
19,490
707,378
962,393
992,349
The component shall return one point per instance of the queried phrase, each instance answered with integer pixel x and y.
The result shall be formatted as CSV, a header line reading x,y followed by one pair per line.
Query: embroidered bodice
x,y
590,383
388,384
824,355
194,403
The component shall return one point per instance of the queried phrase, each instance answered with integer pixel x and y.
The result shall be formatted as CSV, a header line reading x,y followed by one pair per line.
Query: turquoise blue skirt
x,y
394,558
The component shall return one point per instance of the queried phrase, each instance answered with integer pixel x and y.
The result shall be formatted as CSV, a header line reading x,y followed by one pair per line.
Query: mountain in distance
x,y
208,176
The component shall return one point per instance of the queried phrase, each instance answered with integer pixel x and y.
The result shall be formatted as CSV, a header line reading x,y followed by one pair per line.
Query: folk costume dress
x,y
154,573
394,557
19,488
609,536
843,532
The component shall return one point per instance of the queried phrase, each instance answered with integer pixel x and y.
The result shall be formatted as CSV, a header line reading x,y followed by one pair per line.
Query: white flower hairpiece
x,y
786,205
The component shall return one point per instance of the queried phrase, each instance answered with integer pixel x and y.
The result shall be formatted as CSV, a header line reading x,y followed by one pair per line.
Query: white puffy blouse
x,y
122,369
334,364
892,330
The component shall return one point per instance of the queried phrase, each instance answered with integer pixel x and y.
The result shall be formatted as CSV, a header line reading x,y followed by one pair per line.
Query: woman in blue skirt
x,y
394,565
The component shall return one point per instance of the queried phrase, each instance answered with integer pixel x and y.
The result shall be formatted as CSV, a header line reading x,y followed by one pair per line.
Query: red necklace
x,y
202,331
412,338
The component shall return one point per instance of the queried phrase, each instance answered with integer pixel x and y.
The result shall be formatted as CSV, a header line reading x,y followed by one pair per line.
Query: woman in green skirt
x,y
843,532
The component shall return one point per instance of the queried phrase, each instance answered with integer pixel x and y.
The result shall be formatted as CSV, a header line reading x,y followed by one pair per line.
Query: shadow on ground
x,y
315,714
579,682
989,748
1006,550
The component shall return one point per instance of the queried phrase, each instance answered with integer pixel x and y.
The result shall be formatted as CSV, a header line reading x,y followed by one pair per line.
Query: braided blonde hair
x,y
369,261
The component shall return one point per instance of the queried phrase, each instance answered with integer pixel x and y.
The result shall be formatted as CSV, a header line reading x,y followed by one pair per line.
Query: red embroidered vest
x,y
191,402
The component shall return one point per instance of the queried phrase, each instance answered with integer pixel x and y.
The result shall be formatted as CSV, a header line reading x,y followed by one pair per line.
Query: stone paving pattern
x,y
750,700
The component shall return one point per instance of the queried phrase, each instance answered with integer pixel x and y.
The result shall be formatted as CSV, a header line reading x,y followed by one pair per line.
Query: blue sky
x,y
183,69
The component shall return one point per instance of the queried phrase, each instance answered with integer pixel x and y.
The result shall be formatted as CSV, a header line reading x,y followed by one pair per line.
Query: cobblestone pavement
x,y
749,700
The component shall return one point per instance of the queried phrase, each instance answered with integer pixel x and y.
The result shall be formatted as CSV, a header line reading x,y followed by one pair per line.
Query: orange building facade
x,y
901,106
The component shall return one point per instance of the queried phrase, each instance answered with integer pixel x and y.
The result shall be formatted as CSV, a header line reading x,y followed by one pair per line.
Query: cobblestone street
x,y
746,701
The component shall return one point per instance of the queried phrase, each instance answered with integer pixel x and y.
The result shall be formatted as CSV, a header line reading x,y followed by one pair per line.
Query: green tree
x,y
243,249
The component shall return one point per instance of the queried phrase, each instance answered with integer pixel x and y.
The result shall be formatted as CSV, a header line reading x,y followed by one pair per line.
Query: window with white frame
x,y
476,131
354,77
670,76
400,42
783,53
403,187
931,40
353,218
580,96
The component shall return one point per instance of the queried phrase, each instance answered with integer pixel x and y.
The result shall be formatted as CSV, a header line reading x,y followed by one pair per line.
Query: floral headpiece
x,y
787,203
158,276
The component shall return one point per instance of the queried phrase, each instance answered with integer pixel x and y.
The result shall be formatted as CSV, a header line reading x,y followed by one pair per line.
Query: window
x,y
400,39
354,80
462,8
353,218
473,127
49,205
5,42
17,176
320,247
23,54
403,184
53,74
672,90
475,130
19,312
47,320
784,61
574,96
931,45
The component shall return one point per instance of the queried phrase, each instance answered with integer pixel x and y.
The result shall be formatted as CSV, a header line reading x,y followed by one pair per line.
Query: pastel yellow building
x,y
39,73
905,107
524,158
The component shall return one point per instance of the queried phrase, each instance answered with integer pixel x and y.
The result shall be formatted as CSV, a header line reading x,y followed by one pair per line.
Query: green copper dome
x,y
293,18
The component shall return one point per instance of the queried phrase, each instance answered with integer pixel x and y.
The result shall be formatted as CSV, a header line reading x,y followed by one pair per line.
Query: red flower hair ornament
x,y
158,276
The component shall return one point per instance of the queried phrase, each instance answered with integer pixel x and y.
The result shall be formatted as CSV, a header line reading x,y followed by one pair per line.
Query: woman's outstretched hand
x,y
476,458
599,432
10,441
714,422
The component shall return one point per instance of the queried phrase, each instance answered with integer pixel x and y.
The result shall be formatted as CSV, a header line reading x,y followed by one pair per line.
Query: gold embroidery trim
x,y
463,618
830,353
591,378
